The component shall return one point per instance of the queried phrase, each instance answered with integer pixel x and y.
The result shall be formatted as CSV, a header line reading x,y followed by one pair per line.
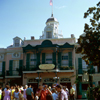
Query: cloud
x,y
61,7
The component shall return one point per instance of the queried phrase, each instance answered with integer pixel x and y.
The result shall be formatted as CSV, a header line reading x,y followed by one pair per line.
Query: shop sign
x,y
47,66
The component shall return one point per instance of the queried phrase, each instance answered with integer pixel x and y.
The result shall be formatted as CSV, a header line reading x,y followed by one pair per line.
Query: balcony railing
x,y
90,71
30,68
63,67
13,73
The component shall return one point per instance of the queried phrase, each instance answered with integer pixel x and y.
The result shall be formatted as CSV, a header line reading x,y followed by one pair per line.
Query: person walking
x,y
29,93
72,93
44,91
21,95
0,93
62,94
7,93
25,92
12,92
16,94
54,95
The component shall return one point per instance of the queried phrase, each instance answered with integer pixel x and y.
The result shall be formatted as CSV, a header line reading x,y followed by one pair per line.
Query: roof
x,y
51,19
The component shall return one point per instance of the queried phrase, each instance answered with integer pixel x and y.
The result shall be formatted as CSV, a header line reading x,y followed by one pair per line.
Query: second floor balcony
x,y
90,71
13,73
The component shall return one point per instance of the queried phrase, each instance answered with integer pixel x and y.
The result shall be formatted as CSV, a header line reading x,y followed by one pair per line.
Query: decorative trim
x,y
16,55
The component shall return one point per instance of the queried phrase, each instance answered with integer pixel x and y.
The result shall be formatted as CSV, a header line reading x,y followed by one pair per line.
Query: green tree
x,y
89,41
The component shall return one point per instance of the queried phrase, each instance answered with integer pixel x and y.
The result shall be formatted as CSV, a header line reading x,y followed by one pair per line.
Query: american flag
x,y
51,3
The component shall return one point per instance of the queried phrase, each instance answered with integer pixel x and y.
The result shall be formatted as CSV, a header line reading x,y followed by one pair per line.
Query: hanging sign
x,y
47,66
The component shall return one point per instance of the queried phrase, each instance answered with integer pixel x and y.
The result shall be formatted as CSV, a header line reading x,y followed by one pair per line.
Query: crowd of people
x,y
44,92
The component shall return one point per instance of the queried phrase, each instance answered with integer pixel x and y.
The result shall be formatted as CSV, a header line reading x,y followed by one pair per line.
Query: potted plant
x,y
71,67
64,67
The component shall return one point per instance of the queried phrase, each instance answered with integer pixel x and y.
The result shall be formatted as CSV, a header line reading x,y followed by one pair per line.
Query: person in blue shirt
x,y
29,93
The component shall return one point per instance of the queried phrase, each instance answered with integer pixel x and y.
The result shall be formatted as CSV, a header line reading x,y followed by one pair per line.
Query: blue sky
x,y
26,18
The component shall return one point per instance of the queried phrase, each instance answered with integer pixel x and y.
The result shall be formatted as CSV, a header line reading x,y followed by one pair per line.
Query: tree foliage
x,y
89,41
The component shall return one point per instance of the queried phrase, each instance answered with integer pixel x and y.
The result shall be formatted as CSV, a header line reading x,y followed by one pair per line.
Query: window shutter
x,y
10,67
80,65
20,66
91,70
43,58
3,68
70,58
54,58
38,59
27,61
59,59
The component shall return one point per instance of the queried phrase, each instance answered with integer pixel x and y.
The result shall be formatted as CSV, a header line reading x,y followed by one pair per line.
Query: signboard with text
x,y
47,66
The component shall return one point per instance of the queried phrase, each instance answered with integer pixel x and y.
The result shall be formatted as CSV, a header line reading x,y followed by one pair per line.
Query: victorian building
x,y
87,74
48,60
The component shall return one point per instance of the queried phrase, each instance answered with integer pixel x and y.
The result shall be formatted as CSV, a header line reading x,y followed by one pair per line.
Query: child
x,y
21,95
36,96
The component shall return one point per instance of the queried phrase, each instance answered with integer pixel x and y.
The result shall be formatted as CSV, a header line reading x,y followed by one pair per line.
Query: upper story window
x,y
16,55
65,59
1,56
15,64
84,65
48,35
33,59
49,58
15,67
17,43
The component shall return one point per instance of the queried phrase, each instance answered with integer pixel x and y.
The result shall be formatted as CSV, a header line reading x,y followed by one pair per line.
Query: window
x,y
15,64
32,60
84,65
16,54
49,58
1,56
16,43
48,35
64,59
15,67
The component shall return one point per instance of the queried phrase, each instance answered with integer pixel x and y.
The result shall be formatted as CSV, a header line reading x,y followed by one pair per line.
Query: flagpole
x,y
52,8
51,4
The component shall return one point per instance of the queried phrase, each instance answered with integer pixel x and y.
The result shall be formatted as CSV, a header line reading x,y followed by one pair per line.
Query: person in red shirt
x,y
44,92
